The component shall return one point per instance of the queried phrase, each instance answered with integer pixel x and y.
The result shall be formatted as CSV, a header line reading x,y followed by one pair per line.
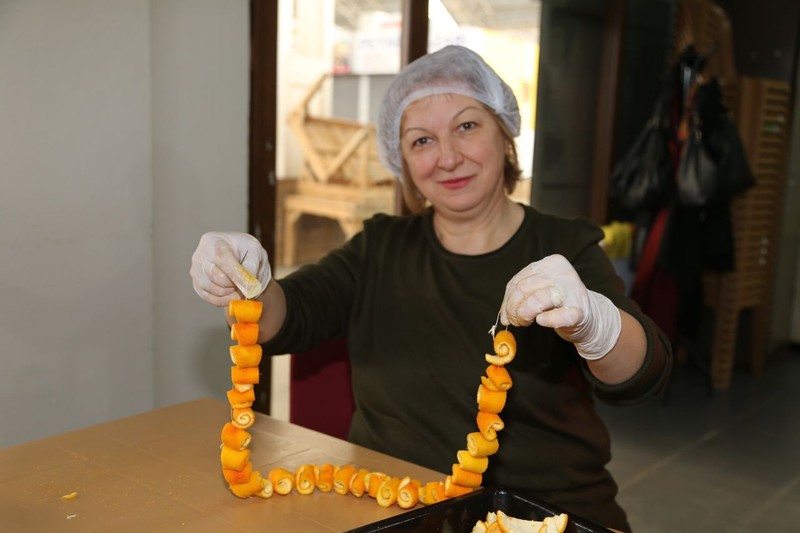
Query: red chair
x,y
320,392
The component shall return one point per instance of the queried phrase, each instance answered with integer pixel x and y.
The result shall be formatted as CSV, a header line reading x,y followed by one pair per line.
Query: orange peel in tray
x,y
387,490
503,523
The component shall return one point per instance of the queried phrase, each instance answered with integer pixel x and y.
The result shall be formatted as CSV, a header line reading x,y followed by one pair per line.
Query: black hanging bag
x,y
643,179
713,165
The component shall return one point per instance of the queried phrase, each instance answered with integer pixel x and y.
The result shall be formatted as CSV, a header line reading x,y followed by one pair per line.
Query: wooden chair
x,y
761,110
342,178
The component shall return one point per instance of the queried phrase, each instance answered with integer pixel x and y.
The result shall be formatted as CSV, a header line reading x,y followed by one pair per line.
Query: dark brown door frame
x,y
605,119
262,124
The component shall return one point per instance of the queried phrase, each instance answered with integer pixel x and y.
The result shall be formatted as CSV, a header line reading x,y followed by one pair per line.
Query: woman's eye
x,y
421,141
467,125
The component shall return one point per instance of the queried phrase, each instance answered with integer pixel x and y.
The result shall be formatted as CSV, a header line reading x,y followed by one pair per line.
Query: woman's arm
x,y
626,357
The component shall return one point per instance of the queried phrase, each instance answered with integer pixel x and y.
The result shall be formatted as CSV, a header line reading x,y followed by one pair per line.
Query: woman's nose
x,y
449,154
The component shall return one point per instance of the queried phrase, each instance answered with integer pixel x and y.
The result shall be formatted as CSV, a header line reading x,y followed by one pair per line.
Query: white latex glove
x,y
226,262
550,292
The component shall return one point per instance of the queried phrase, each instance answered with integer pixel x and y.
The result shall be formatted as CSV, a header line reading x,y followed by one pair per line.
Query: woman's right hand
x,y
229,266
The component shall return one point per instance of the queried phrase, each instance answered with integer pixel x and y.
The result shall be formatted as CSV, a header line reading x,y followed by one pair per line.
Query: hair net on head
x,y
453,69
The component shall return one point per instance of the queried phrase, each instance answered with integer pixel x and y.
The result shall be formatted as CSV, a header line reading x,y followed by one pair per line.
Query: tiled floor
x,y
692,461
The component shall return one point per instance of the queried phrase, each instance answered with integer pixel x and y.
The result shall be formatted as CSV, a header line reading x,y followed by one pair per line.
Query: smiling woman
x,y
414,296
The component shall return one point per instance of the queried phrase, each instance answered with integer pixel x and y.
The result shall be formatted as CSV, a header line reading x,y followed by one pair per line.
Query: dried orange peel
x,y
358,484
234,459
305,481
243,418
469,462
342,479
324,475
489,424
491,399
408,492
387,490
237,469
246,356
499,377
235,438
465,478
282,480
245,310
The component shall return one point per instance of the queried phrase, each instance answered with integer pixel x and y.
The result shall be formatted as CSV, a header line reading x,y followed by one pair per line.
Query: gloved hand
x,y
225,262
550,292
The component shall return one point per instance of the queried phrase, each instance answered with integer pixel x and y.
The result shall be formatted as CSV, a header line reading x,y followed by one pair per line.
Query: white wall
x,y
200,144
122,138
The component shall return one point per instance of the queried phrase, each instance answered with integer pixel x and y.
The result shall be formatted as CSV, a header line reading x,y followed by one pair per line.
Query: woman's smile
x,y
455,183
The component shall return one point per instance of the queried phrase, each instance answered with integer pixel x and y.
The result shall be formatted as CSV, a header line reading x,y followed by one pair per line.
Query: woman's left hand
x,y
551,293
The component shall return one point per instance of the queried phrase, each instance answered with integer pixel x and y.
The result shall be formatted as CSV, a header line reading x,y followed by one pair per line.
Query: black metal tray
x,y
460,514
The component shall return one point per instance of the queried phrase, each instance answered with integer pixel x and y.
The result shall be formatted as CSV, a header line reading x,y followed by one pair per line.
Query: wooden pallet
x,y
342,177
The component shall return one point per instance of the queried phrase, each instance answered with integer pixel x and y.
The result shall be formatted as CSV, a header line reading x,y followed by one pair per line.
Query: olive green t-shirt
x,y
417,320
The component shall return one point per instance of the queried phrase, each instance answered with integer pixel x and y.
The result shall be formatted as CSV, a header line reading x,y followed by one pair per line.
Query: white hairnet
x,y
453,69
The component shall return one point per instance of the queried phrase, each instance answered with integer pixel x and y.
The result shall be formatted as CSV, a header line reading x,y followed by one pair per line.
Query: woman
x,y
415,295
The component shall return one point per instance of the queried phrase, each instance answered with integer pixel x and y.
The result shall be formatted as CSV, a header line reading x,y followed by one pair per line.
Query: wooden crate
x,y
342,177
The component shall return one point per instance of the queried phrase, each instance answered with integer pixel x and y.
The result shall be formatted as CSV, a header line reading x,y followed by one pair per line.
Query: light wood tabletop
x,y
160,471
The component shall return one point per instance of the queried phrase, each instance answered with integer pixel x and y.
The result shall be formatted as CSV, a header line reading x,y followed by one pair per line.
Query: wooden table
x,y
160,471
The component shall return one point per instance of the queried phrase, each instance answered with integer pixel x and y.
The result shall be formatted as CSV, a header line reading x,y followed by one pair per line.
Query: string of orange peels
x,y
244,481
237,468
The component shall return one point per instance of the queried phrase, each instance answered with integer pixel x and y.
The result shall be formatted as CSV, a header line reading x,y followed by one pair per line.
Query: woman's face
x,y
454,151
